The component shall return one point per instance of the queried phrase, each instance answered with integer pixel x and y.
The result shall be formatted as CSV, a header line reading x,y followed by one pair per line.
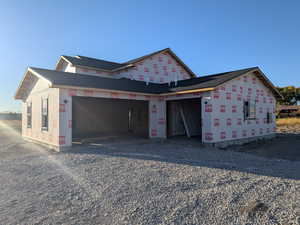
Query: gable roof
x,y
136,60
59,79
214,80
205,83
113,66
166,50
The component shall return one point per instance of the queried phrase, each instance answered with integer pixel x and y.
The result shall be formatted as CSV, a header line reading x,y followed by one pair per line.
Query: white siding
x,y
39,91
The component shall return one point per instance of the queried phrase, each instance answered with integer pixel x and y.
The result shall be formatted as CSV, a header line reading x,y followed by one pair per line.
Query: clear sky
x,y
210,36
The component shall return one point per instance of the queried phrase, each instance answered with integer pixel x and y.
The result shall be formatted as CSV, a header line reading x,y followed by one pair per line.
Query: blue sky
x,y
209,36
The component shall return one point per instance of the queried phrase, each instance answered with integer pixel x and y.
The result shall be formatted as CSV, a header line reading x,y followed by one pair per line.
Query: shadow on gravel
x,y
284,146
195,154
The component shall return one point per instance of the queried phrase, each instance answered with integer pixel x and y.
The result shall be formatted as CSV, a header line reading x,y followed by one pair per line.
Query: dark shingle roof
x,y
59,78
112,66
92,62
124,84
88,81
209,80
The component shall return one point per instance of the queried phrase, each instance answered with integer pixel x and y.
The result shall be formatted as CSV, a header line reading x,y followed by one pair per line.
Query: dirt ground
x,y
143,182
285,146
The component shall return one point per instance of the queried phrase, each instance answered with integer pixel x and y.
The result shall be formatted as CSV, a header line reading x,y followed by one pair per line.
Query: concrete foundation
x,y
49,146
225,144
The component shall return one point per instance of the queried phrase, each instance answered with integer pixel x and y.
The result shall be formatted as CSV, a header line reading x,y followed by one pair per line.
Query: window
x,y
29,115
269,117
45,114
249,110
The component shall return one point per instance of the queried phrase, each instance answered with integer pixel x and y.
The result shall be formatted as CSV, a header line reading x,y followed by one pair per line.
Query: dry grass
x,y
288,125
288,122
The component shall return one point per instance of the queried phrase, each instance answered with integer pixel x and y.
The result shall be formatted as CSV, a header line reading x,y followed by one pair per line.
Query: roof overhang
x,y
101,90
263,78
18,95
268,83
130,92
59,62
62,58
188,91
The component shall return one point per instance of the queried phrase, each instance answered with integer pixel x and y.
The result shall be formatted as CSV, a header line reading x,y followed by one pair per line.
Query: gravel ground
x,y
139,182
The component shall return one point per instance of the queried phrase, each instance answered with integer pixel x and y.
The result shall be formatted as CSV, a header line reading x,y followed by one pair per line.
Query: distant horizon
x,y
2,112
209,36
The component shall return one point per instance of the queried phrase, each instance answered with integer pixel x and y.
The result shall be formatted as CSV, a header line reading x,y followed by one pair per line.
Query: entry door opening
x,y
184,118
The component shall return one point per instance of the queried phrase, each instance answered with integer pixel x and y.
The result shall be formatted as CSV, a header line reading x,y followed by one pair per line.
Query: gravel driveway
x,y
140,182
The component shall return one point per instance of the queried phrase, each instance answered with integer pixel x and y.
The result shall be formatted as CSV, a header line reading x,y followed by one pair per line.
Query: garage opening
x,y
98,117
184,118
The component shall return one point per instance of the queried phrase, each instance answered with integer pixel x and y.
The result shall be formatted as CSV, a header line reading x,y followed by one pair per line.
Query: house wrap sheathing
x,y
155,96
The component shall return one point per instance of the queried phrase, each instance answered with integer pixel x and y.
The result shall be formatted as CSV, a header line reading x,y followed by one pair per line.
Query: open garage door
x,y
98,117
184,117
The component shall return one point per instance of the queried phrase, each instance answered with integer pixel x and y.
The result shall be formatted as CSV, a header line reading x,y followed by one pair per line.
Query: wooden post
x,y
184,121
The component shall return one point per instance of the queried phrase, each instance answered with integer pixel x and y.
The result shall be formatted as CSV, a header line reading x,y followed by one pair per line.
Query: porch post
x,y
157,118
207,109
65,119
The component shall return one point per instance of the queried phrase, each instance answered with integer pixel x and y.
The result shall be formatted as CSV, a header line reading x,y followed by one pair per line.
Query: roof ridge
x,y
83,74
81,56
93,62
146,56
222,73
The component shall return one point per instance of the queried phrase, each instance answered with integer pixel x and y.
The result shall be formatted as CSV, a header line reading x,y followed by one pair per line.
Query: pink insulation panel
x,y
161,68
227,115
222,110
157,118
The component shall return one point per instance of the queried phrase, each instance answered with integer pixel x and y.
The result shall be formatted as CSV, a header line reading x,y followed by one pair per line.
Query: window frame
x,y
29,114
247,110
269,118
45,114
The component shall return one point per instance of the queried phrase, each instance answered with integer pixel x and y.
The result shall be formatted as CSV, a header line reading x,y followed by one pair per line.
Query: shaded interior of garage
x,y
97,117
184,117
